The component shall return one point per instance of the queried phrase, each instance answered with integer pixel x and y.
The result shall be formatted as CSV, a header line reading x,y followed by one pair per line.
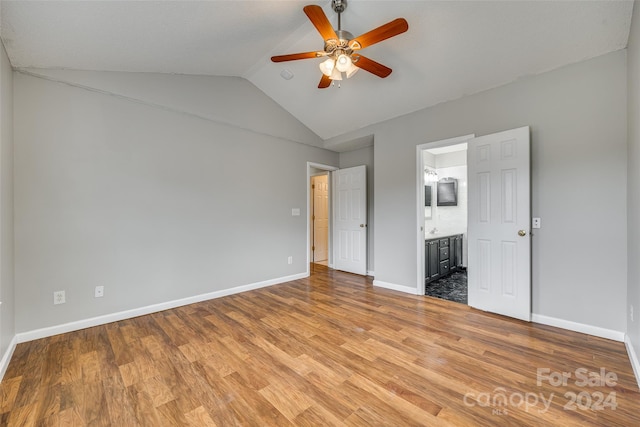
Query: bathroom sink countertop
x,y
440,234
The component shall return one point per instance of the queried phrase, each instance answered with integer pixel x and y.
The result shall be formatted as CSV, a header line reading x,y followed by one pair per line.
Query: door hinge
x,y
313,248
313,186
313,217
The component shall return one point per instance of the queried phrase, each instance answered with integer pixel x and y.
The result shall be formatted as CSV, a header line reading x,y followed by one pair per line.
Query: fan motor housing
x,y
342,43
338,6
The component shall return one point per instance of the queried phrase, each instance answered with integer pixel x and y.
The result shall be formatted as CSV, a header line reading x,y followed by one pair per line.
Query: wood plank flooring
x,y
327,350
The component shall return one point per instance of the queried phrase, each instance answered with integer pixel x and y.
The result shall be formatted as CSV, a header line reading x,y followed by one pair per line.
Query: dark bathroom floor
x,y
452,287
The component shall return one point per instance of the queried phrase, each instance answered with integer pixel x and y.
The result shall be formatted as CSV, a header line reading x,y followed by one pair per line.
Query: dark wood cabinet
x,y
444,268
432,260
442,257
453,262
444,253
457,252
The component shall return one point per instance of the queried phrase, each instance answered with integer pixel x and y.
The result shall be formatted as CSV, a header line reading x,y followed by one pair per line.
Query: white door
x,y
499,264
350,219
320,217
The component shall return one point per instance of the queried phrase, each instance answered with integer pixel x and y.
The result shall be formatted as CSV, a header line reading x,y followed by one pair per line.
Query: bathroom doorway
x,y
445,225
442,216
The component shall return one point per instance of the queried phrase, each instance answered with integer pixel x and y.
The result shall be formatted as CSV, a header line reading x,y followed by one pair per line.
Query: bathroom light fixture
x,y
430,176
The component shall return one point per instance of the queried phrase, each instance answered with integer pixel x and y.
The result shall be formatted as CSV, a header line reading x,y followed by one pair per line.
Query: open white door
x,y
350,219
499,265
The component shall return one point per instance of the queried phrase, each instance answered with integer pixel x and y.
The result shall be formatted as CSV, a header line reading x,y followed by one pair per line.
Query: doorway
x,y
432,228
498,221
346,202
445,224
316,171
320,219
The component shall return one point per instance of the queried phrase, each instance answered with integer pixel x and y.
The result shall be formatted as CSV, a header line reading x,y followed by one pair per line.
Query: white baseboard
x,y
128,314
633,357
393,286
579,327
6,357
371,273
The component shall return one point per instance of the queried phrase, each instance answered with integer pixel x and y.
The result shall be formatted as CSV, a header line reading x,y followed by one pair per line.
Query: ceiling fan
x,y
341,48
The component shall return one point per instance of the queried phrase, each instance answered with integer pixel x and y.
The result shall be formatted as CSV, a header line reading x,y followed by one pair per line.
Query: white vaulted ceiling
x,y
452,48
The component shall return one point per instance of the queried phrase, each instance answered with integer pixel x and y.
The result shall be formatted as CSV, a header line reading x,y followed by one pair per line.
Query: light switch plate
x,y
295,212
535,223
59,297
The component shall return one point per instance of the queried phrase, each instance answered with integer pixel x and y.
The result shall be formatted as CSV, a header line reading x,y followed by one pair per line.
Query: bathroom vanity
x,y
443,256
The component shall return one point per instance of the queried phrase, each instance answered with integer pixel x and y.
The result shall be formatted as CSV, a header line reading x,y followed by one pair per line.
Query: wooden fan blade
x,y
294,56
371,66
325,82
388,30
320,21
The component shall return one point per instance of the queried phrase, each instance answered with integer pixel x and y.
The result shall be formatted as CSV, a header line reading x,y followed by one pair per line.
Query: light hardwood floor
x,y
327,350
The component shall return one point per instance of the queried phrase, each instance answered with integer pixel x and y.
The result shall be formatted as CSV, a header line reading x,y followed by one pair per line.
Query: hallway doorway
x,y
320,219
319,176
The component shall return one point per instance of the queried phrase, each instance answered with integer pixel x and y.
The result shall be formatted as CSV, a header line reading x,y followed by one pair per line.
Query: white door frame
x,y
420,289
310,173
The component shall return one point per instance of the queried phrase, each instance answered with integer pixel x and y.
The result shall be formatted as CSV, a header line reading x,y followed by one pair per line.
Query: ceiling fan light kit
x,y
340,46
343,63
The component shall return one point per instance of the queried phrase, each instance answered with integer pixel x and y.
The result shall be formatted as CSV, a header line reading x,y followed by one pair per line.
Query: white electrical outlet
x,y
59,297
290,260
99,291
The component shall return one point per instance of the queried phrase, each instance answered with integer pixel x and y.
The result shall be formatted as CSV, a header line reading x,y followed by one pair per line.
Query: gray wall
x,y
7,310
577,116
148,199
364,156
225,100
633,174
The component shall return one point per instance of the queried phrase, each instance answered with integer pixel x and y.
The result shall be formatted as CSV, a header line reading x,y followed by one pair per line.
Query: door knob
x,y
362,225
522,233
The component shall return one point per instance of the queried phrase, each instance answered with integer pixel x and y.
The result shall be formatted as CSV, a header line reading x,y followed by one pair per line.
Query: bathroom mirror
x,y
448,192
427,201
